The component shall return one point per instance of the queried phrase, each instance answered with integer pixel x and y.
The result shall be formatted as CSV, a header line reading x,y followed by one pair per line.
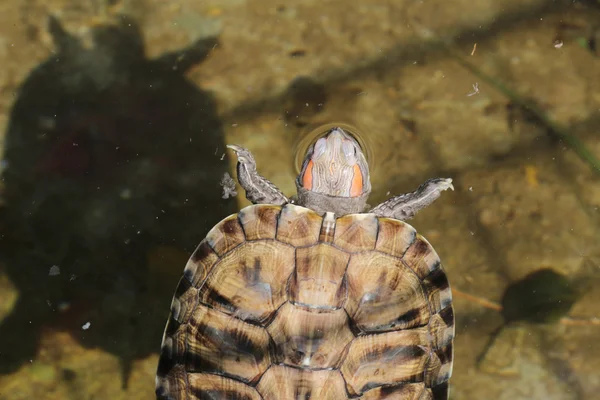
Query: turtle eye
x,y
319,148
349,151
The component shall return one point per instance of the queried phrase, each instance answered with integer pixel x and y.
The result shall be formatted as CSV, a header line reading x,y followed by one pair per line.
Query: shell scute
x,y
250,281
172,354
184,301
394,237
310,338
172,384
356,232
208,386
383,294
441,327
440,365
438,290
222,344
226,235
384,359
298,226
408,391
200,264
283,382
318,279
259,222
421,257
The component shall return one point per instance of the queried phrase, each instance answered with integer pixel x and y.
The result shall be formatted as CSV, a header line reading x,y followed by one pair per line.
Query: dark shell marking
x,y
280,303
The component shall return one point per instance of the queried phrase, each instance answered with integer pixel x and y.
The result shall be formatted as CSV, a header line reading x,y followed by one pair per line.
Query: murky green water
x,y
114,119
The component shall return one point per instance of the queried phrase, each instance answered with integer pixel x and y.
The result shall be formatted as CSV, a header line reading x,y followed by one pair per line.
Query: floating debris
x,y
86,326
228,186
54,270
475,89
531,175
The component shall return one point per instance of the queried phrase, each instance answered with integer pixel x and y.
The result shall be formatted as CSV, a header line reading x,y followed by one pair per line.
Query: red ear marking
x,y
357,182
307,177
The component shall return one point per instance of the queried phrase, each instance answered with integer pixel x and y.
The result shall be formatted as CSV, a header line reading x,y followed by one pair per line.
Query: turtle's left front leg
x,y
259,190
405,206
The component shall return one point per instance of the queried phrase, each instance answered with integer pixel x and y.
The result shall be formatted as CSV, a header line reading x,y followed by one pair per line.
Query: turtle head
x,y
334,175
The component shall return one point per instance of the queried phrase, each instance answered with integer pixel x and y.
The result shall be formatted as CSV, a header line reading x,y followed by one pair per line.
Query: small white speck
x,y
54,270
86,326
470,188
475,89
558,44
234,125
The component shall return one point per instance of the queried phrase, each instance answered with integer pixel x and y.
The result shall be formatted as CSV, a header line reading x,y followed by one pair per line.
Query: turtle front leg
x,y
259,190
405,206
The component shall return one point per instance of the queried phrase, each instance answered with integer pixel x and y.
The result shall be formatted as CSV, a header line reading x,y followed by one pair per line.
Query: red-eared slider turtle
x,y
312,299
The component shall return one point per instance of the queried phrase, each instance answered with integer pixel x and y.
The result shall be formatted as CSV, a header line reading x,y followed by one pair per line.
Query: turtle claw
x,y
243,155
446,184
440,184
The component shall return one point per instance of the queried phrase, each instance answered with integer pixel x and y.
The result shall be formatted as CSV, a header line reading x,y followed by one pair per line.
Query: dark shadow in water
x,y
112,175
542,297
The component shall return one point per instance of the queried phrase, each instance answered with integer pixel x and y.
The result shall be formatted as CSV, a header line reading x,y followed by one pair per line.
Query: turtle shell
x,y
278,302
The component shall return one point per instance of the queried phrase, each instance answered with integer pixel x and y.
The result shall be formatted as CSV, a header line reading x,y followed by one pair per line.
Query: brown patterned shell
x,y
281,303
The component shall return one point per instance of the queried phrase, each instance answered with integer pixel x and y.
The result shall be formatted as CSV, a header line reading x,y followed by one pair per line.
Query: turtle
x,y
315,296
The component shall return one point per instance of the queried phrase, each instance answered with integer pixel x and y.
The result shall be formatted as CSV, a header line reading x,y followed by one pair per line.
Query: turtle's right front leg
x,y
259,190
405,206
